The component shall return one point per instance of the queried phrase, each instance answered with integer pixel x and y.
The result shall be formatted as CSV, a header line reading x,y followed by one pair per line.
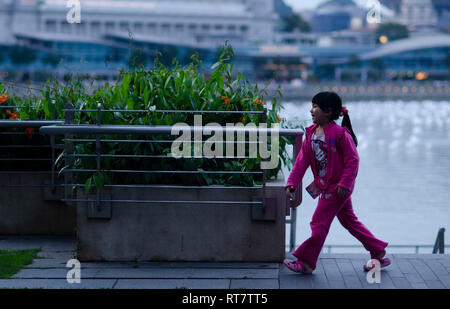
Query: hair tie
x,y
344,111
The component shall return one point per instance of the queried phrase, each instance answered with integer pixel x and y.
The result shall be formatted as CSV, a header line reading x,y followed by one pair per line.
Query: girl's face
x,y
319,116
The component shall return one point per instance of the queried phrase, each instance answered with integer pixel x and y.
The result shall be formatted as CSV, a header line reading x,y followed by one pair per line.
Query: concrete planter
x,y
183,232
26,207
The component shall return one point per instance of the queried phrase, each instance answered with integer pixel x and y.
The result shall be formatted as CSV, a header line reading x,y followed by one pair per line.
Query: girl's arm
x,y
351,162
300,166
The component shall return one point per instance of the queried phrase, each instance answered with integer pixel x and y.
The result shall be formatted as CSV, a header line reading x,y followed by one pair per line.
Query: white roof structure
x,y
409,44
155,7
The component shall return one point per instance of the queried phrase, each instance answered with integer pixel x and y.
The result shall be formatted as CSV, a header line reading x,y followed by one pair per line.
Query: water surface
x,y
402,191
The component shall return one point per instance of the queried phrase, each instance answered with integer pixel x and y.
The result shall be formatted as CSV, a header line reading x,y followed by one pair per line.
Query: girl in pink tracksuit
x,y
330,150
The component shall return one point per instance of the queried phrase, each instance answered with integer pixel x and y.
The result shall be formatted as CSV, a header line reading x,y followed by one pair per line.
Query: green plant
x,y
161,88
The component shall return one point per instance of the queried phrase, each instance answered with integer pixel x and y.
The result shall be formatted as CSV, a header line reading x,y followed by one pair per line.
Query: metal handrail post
x,y
98,150
264,180
68,159
52,144
293,227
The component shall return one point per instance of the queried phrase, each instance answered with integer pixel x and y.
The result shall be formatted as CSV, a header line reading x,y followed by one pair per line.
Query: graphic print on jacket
x,y
320,152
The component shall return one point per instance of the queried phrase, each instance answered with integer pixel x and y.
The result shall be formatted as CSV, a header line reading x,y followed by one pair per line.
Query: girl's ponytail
x,y
348,124
331,101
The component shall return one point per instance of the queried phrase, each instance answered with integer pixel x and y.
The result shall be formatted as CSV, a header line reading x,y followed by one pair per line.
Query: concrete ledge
x,y
23,210
183,232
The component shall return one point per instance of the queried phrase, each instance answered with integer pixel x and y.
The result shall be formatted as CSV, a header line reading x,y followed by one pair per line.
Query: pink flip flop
x,y
383,261
297,266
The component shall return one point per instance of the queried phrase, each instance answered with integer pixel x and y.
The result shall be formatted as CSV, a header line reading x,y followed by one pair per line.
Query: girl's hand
x,y
289,191
342,192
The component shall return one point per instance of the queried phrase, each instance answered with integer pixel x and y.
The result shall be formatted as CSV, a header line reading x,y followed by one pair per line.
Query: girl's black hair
x,y
331,101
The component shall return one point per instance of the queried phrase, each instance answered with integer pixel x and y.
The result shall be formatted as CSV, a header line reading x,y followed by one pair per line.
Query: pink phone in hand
x,y
313,190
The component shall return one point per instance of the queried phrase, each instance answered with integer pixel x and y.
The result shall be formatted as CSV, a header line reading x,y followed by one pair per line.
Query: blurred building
x,y
115,34
336,15
419,57
442,8
418,14
200,22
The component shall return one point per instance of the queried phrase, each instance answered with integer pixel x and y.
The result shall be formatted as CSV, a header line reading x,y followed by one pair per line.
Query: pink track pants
x,y
321,221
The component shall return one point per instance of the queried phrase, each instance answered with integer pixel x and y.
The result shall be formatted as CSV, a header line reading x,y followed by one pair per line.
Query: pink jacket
x,y
342,159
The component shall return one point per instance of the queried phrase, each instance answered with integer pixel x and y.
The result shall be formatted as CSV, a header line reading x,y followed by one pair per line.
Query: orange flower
x,y
3,98
226,99
258,101
279,118
12,115
134,87
29,132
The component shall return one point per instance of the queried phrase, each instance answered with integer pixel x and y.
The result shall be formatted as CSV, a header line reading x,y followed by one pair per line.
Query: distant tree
x,y
192,51
51,59
115,55
21,55
166,54
447,59
393,31
326,71
295,21
137,58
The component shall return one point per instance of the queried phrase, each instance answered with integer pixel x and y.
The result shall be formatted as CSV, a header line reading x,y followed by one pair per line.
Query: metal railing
x,y
67,128
438,247
35,124
415,247
72,137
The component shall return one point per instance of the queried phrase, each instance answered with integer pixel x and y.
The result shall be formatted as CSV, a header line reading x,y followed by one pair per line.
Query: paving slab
x,y
445,262
414,278
405,266
296,281
55,284
319,281
336,284
172,284
352,282
235,273
393,270
67,255
418,285
337,270
401,283
434,284
424,271
268,284
362,275
47,263
144,273
331,270
386,281
41,273
220,265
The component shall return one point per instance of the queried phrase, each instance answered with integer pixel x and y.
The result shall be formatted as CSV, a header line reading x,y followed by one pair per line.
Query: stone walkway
x,y
342,271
